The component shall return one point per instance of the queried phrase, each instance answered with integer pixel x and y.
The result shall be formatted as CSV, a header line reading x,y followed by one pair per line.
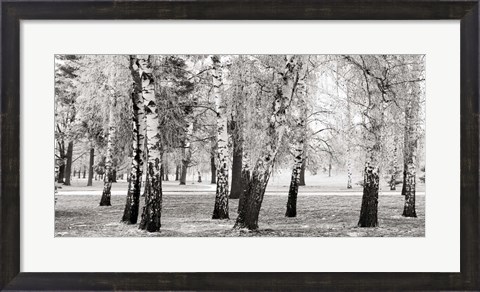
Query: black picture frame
x,y
14,11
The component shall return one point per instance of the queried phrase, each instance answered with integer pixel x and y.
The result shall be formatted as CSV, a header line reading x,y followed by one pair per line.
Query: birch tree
x,y
213,164
91,161
394,168
151,215
299,114
108,178
384,77
220,210
130,214
187,148
257,182
102,100
372,131
410,150
348,138
239,69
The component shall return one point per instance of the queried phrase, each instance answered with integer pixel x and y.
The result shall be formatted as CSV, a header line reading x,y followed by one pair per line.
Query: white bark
x,y
248,215
106,195
221,198
138,145
299,114
277,121
410,156
188,144
349,143
153,198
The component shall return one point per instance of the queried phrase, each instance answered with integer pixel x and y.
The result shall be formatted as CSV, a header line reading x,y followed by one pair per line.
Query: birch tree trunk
x,y
183,169
246,173
301,181
186,152
330,166
151,214
61,167
371,182
108,178
213,165
147,184
237,125
373,116
371,174
220,210
130,213
299,114
255,189
236,188
393,178
245,179
68,166
114,174
166,170
61,173
349,142
349,169
410,156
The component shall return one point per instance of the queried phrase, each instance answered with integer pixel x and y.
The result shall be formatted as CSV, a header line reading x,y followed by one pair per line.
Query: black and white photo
x,y
240,145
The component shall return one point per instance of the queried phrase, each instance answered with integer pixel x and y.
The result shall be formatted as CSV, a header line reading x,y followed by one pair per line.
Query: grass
x,y
189,215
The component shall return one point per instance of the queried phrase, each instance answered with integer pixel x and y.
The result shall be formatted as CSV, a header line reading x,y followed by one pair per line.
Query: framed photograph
x,y
187,145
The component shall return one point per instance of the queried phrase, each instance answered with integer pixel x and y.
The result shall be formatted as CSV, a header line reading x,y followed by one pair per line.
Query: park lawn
x,y
189,215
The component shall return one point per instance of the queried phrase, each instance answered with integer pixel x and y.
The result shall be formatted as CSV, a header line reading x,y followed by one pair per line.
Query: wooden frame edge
x,y
13,12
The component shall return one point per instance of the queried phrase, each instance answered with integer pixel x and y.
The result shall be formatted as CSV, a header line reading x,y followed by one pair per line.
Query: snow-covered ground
x,y
191,215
